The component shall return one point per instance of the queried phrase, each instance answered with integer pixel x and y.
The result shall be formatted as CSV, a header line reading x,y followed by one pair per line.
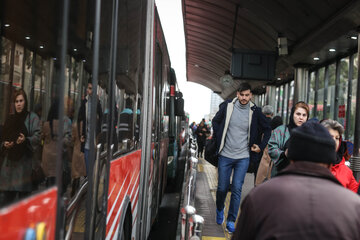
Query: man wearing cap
x,y
305,201
238,127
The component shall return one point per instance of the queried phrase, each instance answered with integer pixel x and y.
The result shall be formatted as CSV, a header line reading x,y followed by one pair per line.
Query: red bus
x,y
87,113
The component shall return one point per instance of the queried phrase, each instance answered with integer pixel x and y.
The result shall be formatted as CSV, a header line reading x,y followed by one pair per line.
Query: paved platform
x,y
206,185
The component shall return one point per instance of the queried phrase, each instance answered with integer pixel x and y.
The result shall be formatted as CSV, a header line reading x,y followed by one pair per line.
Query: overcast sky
x,y
196,96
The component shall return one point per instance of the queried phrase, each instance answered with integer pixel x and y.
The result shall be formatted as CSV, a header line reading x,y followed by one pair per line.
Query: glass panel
x,y
7,49
320,102
312,94
331,92
343,90
29,55
353,99
18,66
356,64
330,102
320,105
29,44
353,109
281,89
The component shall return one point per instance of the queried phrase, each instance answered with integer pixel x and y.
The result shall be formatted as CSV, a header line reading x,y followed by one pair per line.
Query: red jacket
x,y
345,176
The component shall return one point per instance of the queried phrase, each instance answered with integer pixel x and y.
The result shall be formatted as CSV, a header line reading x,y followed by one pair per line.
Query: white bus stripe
x,y
135,186
112,191
115,222
117,198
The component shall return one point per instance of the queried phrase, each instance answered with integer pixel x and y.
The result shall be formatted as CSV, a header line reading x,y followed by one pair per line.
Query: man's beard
x,y
246,102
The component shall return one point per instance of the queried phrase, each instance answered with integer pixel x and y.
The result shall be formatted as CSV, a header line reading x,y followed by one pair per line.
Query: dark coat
x,y
305,201
259,124
201,139
82,118
15,174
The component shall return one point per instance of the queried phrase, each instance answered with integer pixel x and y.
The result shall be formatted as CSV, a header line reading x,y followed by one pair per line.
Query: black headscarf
x,y
275,122
292,124
341,151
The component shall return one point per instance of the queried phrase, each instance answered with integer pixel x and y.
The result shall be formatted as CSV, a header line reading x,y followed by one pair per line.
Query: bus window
x,y
125,127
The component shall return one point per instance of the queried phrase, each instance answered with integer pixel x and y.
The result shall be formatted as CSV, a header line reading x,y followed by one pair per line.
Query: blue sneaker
x,y
219,216
230,226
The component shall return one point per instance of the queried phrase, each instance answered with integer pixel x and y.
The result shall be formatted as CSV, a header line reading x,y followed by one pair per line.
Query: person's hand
x,y
82,139
20,139
255,148
286,152
8,144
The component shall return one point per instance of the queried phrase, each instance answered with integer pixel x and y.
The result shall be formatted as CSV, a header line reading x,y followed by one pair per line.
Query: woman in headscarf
x,y
278,142
50,137
20,140
342,172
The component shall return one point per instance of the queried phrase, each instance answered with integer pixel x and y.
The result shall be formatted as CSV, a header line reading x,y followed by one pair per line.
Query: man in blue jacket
x,y
237,127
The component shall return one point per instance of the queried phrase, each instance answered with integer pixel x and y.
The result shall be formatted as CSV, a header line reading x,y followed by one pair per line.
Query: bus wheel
x,y
126,233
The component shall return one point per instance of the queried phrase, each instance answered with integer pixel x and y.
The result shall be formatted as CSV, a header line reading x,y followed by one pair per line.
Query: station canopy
x,y
305,29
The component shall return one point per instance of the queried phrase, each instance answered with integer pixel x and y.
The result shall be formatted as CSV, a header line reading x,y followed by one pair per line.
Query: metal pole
x,y
146,122
326,85
308,87
89,228
59,163
337,82
198,222
355,160
316,92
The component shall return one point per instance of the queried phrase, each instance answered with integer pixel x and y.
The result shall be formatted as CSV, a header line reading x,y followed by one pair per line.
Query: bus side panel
x,y
124,181
39,208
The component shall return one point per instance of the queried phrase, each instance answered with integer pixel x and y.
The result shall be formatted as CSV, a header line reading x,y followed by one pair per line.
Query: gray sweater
x,y
236,142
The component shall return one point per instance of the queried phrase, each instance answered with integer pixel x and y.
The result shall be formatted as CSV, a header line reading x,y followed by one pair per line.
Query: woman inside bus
x,y
49,155
20,139
342,172
279,138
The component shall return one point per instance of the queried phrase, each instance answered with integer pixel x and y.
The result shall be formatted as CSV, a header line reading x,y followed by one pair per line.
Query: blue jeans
x,y
86,156
225,167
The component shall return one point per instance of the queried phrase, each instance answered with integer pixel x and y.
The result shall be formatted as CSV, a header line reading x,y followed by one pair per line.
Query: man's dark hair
x,y
244,86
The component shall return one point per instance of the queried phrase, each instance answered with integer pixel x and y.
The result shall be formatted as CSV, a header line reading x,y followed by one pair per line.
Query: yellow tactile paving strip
x,y
212,238
212,178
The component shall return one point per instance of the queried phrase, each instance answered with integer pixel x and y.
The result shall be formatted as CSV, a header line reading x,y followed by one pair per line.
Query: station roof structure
x,y
213,29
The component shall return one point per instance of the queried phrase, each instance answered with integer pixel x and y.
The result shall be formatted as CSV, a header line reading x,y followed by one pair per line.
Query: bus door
x,y
156,134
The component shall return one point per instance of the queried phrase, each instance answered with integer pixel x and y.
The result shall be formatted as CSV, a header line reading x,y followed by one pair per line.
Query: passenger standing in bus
x,y
51,138
84,118
137,123
278,142
21,137
236,128
342,172
305,201
125,127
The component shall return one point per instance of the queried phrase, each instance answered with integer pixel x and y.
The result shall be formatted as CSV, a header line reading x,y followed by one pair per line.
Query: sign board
x,y
253,65
341,113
